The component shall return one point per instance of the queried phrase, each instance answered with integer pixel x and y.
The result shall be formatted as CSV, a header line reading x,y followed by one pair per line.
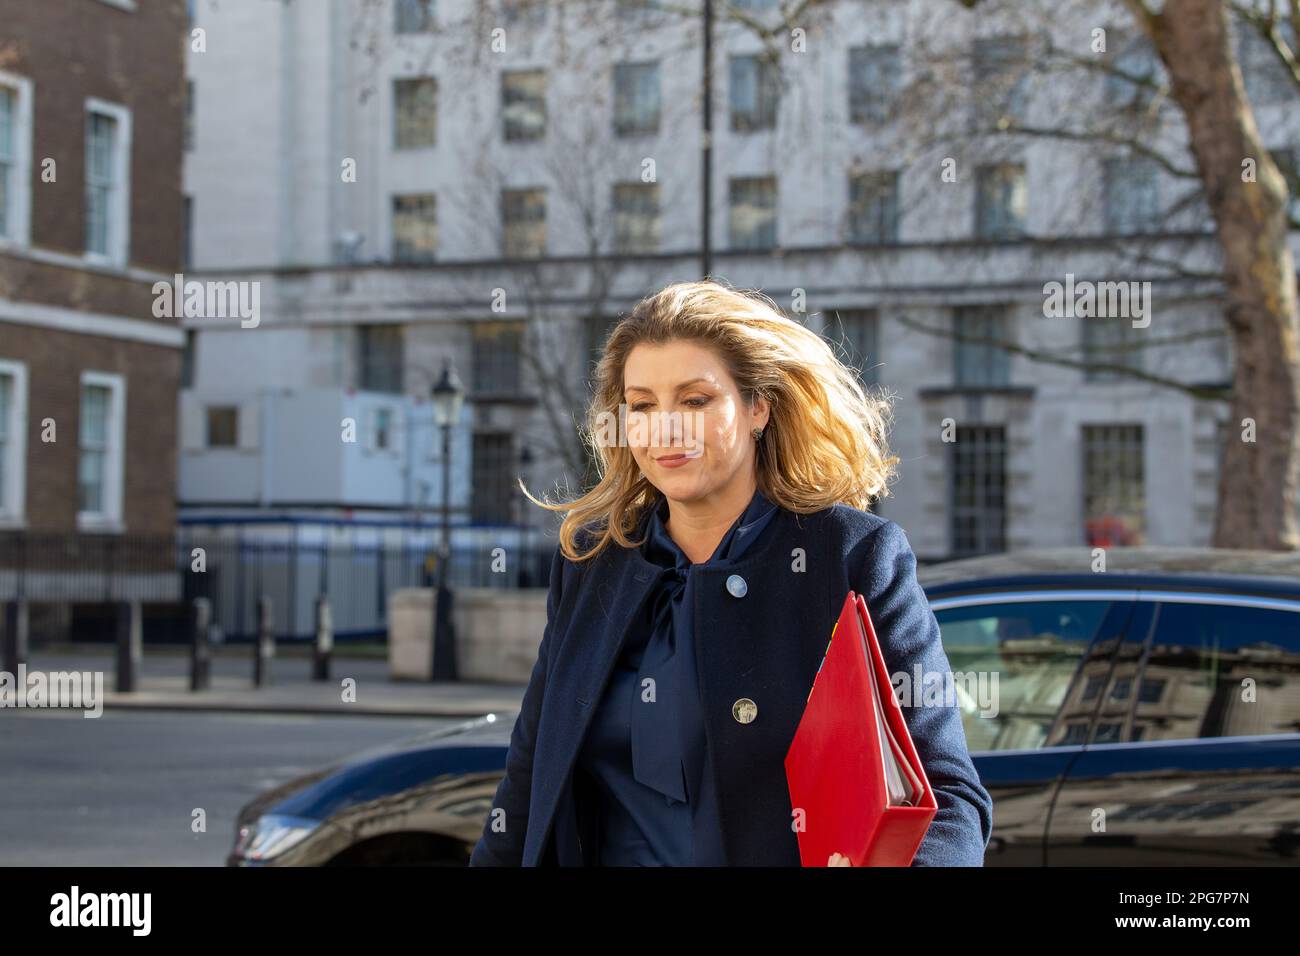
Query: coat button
x,y
744,710
736,586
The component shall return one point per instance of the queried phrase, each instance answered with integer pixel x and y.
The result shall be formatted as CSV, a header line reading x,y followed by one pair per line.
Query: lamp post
x,y
448,395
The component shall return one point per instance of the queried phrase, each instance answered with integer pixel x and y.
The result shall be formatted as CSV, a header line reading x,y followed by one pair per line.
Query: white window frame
x,y
15,482
110,519
119,231
127,5
20,233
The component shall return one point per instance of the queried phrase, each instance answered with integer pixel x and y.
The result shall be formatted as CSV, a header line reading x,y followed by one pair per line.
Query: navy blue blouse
x,y
646,746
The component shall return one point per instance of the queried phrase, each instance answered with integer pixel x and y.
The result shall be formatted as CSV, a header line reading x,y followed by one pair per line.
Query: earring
x,y
758,434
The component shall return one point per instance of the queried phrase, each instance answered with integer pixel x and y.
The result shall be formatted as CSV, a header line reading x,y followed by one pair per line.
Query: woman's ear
x,y
761,410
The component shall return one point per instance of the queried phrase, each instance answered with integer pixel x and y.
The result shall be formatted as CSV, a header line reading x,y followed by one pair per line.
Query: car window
x,y
1218,670
1034,649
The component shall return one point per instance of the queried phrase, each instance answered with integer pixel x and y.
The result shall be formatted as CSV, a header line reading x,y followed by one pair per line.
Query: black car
x,y
1142,713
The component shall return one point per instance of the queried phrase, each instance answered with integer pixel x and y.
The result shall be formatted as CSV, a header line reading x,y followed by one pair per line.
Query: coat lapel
x,y
742,651
611,595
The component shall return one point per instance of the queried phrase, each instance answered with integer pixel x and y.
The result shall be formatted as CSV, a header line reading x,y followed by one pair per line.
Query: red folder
x,y
852,768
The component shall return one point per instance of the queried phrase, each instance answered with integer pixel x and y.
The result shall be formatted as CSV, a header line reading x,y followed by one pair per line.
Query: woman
x,y
694,592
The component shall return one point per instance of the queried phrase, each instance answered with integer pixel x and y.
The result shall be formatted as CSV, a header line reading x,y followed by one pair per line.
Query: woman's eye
x,y
698,402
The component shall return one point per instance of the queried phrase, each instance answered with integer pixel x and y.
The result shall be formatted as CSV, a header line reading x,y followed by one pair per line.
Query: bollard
x,y
264,645
201,644
324,640
130,648
15,636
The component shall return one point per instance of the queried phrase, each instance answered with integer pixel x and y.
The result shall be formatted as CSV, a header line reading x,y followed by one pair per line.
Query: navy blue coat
x,y
766,646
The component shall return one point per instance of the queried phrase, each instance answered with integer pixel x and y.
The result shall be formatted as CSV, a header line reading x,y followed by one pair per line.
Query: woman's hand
x,y
838,859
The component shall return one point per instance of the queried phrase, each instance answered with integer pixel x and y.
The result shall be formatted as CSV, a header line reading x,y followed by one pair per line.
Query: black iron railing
x,y
233,571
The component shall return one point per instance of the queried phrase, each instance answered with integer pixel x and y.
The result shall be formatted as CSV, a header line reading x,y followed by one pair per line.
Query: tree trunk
x,y
1257,480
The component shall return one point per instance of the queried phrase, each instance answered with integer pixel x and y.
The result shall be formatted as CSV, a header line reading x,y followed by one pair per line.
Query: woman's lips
x,y
675,461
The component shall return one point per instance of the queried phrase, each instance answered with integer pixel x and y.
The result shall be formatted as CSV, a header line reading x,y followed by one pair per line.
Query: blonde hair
x,y
825,439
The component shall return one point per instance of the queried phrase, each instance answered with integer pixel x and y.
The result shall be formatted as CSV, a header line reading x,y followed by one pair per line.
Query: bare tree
x,y
1248,200
1191,117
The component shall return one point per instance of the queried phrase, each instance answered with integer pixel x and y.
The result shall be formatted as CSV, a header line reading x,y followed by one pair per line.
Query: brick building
x,y
91,131
92,105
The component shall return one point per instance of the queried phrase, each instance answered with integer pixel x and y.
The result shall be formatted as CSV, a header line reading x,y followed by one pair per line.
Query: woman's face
x,y
688,426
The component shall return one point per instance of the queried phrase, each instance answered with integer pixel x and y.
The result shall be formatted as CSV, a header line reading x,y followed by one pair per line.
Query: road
x,y
121,789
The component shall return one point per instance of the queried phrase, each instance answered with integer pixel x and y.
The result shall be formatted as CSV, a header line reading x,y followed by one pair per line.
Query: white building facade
x,y
413,184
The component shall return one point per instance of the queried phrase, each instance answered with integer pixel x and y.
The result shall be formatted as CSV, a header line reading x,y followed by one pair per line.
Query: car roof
x,y
1269,573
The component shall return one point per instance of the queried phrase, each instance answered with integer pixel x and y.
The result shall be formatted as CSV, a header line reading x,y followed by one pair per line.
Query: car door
x,y
1021,657
1194,758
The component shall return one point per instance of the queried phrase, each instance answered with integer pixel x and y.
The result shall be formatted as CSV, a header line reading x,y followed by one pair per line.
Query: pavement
x,y
163,684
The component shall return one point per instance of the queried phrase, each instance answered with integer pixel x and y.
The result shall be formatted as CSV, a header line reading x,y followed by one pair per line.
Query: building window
x,y
223,426
855,336
413,16
189,115
1132,201
1096,683
638,13
1287,159
523,222
381,429
1266,77
979,363
498,348
753,213
636,217
8,156
415,227
13,435
99,181
493,478
636,99
873,207
1001,79
415,105
108,182
523,105
1151,690
1000,201
598,329
531,13
102,430
187,231
979,486
187,359
1110,340
1134,72
15,157
755,92
875,74
380,358
1114,494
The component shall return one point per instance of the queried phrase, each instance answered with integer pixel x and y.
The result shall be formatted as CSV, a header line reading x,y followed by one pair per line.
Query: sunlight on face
x,y
693,423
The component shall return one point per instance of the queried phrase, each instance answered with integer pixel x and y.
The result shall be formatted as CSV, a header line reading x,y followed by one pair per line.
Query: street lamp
x,y
448,395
